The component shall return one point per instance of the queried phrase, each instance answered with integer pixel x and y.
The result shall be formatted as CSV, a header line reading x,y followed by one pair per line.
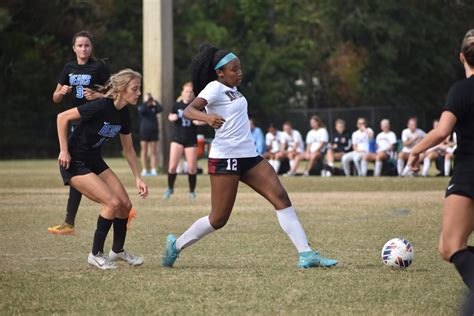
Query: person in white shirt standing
x,y
360,147
294,147
385,142
316,143
233,157
410,137
275,143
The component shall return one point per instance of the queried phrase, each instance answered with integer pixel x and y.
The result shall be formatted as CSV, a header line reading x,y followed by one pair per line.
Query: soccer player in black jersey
x,y
184,140
78,79
458,214
83,168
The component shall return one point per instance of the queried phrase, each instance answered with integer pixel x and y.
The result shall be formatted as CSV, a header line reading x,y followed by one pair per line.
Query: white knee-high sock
x,y
364,166
277,165
346,165
272,163
406,171
357,159
447,167
199,229
378,168
292,227
292,164
426,166
400,165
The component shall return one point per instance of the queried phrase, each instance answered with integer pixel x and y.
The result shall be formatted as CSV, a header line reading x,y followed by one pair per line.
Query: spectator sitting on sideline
x,y
294,146
360,147
385,143
341,143
275,142
410,137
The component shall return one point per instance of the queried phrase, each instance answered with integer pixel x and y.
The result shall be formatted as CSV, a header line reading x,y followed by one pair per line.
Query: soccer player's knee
x,y
444,253
115,205
283,198
217,222
127,206
446,250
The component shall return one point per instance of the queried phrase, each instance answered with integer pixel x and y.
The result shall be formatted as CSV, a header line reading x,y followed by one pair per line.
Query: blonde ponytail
x,y
118,82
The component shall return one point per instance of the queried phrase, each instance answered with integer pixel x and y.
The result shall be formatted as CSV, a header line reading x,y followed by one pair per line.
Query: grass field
x,y
249,267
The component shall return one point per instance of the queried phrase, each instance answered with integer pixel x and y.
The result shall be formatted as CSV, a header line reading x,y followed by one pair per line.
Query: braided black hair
x,y
203,66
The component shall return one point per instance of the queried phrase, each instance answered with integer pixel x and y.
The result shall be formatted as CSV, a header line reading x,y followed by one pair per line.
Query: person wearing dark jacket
x,y
149,133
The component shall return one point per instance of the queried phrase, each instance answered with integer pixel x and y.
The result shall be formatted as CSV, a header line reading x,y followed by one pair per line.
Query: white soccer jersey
x,y
385,141
274,141
234,138
316,138
407,134
362,139
292,139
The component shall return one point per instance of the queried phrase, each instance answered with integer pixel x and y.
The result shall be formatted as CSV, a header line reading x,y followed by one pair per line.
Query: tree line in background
x,y
295,54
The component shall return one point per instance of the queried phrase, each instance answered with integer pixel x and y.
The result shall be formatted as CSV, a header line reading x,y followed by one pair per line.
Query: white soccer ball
x,y
398,253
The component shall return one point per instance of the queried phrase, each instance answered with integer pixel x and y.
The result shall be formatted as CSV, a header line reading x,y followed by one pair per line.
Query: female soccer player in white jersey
x,y
233,157
458,214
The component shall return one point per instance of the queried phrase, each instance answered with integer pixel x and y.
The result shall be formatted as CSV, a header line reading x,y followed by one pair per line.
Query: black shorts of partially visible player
x,y
149,135
463,189
73,126
185,142
462,181
235,166
82,167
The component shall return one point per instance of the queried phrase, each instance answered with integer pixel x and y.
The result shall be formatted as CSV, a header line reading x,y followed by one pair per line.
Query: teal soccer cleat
x,y
171,253
168,194
312,259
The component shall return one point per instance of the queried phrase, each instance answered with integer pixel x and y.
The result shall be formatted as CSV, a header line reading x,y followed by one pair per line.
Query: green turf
x,y
247,268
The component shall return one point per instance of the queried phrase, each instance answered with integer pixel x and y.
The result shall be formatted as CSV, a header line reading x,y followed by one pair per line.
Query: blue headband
x,y
225,60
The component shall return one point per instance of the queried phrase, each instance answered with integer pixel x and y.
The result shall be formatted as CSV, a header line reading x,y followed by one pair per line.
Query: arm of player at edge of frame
x,y
434,137
63,119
